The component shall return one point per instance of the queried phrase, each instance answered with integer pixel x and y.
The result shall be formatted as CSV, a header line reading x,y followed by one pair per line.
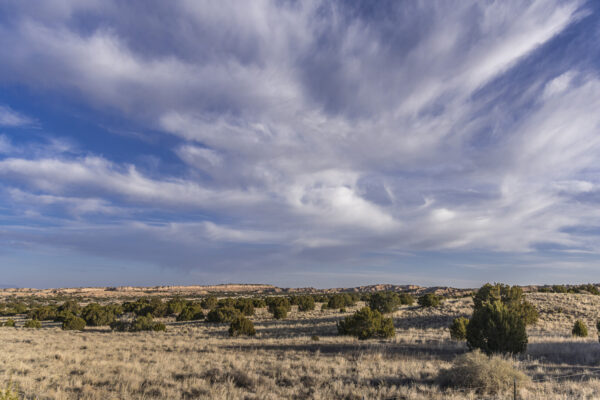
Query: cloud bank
x,y
299,134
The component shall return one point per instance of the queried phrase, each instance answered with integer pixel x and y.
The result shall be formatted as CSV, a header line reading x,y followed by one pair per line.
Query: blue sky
x,y
312,143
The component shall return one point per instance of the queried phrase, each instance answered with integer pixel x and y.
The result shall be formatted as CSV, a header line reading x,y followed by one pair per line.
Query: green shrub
x,y
597,328
495,328
280,312
241,326
314,338
191,312
210,302
306,303
175,306
458,328
384,302
43,313
70,306
222,314
512,297
366,324
245,305
579,329
559,289
142,323
120,326
259,302
9,323
278,306
33,323
96,315
73,323
475,370
406,299
341,300
429,300
9,392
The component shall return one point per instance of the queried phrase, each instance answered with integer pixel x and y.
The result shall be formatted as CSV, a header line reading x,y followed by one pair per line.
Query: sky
x,y
299,143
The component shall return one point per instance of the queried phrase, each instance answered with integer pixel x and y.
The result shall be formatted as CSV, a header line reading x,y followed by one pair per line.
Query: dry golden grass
x,y
199,360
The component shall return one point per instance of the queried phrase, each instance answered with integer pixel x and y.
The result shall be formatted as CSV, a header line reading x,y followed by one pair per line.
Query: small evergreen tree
x,y
429,300
366,324
241,326
458,328
495,328
384,302
73,323
579,329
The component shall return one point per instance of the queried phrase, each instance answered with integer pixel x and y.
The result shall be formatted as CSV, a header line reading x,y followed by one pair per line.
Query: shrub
x,y
96,315
384,302
210,302
9,392
259,302
43,313
472,370
314,338
406,299
429,300
280,312
175,305
579,329
306,303
559,289
10,323
73,323
222,314
458,328
120,326
142,323
245,305
512,297
365,324
495,328
241,326
33,323
191,312
278,306
341,300
70,306
597,328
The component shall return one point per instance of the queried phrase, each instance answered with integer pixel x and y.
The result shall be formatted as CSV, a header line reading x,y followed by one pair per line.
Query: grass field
x,y
199,360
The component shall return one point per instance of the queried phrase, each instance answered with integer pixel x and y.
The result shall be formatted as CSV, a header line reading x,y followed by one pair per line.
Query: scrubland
x,y
285,360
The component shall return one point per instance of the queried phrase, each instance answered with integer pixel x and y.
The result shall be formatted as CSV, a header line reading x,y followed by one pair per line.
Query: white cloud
x,y
11,118
305,125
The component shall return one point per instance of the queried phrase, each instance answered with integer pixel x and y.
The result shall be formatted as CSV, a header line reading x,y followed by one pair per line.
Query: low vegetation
x,y
429,300
366,324
482,374
579,329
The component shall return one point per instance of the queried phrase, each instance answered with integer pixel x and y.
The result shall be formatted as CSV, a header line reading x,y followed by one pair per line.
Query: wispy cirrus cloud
x,y
313,131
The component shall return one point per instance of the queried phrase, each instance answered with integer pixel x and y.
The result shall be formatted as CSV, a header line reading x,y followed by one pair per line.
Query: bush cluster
x,y
429,300
96,315
278,306
304,303
342,300
9,323
365,324
191,312
241,326
222,314
33,323
73,323
141,323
